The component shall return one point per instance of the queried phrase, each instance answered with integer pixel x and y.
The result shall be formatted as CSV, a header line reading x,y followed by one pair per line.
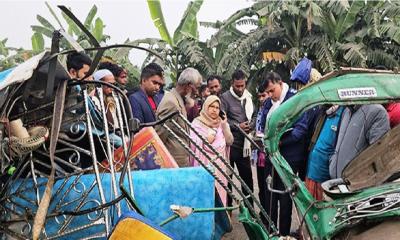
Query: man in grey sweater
x,y
238,106
360,127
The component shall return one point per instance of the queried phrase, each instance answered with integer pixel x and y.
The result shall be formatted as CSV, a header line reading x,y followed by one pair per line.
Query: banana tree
x,y
235,49
95,25
334,33
45,29
121,56
183,49
359,35
227,50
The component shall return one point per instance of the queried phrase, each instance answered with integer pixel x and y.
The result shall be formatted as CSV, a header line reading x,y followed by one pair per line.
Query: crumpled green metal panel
x,y
254,230
325,219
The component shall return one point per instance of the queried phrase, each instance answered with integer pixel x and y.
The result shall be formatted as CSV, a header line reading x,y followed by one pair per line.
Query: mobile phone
x,y
222,114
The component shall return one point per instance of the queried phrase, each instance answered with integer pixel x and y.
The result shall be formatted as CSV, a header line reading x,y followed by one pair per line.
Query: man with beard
x,y
238,105
78,65
214,85
188,83
120,74
145,101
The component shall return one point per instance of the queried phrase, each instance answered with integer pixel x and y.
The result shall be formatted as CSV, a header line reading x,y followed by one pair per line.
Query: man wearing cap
x,y
106,75
120,74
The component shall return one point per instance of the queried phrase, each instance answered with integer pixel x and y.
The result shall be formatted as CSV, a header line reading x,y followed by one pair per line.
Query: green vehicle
x,y
365,202
84,202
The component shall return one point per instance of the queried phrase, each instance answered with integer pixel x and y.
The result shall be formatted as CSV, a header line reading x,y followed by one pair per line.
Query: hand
x,y
224,121
211,138
245,126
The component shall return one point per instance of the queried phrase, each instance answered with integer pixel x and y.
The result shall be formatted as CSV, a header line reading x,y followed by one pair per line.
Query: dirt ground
x,y
238,232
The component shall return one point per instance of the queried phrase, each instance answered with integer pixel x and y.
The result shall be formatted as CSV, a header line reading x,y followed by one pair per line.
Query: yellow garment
x,y
133,229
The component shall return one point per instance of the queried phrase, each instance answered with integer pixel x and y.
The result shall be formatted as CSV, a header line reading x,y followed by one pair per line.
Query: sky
x,y
123,18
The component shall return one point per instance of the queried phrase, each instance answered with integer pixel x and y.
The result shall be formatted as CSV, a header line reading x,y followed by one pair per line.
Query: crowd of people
x,y
317,147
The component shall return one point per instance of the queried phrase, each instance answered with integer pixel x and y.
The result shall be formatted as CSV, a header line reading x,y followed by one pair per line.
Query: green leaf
x,y
195,55
42,30
320,47
247,21
374,23
314,14
264,11
291,9
328,24
338,7
98,29
3,49
226,26
151,42
391,30
240,51
158,20
45,22
72,27
37,42
354,54
379,57
262,21
54,15
391,9
215,25
85,43
188,25
348,20
90,17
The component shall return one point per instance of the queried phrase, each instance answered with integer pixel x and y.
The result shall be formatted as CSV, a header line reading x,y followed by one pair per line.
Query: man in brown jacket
x,y
188,82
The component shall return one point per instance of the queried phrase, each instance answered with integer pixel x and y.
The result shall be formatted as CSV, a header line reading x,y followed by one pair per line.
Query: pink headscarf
x,y
204,117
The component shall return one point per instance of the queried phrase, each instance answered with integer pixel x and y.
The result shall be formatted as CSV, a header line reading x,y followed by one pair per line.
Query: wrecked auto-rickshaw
x,y
364,203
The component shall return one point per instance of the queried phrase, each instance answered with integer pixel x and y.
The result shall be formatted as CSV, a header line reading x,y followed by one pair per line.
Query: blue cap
x,y
302,71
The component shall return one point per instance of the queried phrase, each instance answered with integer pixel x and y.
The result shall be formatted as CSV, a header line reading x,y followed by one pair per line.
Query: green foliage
x,y
37,42
331,33
90,17
14,57
121,56
347,21
94,24
10,57
3,49
42,30
188,26
98,29
158,19
133,73
73,29
335,33
195,55
183,50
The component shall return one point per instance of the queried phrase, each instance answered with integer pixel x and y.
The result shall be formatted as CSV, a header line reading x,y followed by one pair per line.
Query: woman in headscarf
x,y
217,132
